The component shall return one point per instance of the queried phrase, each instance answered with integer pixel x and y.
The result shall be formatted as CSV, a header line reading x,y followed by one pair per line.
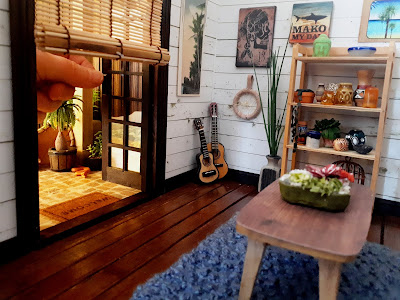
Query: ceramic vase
x,y
60,143
344,94
270,172
319,92
364,81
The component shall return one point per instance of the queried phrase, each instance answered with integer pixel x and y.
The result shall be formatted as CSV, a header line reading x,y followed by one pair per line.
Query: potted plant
x,y
62,156
273,124
96,151
329,130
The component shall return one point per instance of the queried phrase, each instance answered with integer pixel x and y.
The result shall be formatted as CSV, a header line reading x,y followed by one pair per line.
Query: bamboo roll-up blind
x,y
115,29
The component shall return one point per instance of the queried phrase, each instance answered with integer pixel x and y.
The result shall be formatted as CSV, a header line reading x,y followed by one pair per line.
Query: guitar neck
x,y
214,133
203,142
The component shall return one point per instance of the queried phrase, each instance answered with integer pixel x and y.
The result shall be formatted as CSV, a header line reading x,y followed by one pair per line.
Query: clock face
x,y
246,104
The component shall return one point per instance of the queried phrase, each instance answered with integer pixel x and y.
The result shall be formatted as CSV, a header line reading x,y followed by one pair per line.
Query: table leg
x,y
329,278
254,254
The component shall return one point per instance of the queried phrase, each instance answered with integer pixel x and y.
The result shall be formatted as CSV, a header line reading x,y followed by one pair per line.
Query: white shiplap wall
x,y
8,222
182,139
245,141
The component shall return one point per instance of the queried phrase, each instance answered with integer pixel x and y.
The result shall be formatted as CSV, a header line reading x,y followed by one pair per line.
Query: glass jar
x,y
371,97
344,94
328,97
313,138
302,132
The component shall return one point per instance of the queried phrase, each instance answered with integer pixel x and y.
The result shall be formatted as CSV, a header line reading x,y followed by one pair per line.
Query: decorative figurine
x,y
321,46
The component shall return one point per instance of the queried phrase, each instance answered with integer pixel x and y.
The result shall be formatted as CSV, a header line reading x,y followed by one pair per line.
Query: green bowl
x,y
296,195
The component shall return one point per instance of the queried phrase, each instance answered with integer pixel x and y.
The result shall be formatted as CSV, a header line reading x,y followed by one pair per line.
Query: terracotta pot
x,y
327,143
307,97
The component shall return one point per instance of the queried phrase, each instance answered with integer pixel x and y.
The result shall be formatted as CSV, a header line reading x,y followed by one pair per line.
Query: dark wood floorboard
x,y
80,237
391,237
109,260
125,288
110,246
45,268
374,234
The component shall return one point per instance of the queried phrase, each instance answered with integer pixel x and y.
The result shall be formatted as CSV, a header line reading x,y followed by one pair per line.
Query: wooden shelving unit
x,y
339,55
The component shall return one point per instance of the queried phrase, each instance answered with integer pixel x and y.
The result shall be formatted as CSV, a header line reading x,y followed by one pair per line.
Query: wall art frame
x,y
309,21
255,36
191,33
380,18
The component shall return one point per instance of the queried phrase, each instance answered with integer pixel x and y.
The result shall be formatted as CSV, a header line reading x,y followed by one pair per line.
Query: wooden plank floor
x,y
110,259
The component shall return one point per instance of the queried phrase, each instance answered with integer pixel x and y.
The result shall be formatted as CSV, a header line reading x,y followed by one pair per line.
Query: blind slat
x,y
104,28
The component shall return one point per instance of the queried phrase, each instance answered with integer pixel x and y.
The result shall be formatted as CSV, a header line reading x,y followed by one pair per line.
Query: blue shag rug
x,y
213,271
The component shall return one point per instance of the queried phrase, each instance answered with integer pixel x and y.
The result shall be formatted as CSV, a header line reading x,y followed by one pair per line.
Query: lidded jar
x,y
344,94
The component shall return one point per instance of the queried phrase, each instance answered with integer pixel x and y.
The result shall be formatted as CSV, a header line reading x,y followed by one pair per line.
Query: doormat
x,y
78,206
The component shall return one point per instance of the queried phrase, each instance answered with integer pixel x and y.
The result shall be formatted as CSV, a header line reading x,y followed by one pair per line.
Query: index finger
x,y
76,71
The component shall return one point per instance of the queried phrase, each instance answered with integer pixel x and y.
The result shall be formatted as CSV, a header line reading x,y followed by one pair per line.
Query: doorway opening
x,y
107,145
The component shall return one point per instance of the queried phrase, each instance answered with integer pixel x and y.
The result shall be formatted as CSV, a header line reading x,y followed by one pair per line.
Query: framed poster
x,y
191,47
380,21
309,21
255,36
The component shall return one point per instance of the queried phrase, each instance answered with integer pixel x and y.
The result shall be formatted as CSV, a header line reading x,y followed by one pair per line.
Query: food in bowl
x,y
326,188
361,51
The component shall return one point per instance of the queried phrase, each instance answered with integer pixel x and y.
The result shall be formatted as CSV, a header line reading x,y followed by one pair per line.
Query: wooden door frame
x,y
23,60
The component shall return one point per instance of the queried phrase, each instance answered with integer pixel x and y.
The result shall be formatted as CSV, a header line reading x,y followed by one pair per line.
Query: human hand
x,y
57,77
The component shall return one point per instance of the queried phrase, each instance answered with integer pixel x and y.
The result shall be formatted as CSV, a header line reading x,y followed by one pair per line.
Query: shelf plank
x,y
370,156
344,59
340,107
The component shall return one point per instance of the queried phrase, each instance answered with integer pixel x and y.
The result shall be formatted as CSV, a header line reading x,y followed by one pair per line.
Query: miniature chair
x,y
352,167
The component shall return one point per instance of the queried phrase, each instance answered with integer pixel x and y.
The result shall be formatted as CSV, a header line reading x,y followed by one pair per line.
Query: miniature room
x,y
217,149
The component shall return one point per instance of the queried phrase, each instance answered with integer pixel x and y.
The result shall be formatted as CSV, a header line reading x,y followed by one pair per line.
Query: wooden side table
x,y
332,238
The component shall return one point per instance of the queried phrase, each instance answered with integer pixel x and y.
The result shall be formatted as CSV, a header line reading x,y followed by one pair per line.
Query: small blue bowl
x,y
361,51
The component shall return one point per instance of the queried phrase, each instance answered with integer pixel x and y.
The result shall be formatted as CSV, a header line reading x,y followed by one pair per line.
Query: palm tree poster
x,y
309,21
384,20
255,36
191,46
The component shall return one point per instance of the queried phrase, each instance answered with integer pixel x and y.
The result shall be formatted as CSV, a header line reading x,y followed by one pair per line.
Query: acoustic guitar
x,y
206,170
216,148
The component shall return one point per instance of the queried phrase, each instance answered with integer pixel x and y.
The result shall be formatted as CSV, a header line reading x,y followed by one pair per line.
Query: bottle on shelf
x,y
319,92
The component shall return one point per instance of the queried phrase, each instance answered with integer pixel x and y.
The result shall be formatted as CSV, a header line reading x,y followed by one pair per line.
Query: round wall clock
x,y
246,103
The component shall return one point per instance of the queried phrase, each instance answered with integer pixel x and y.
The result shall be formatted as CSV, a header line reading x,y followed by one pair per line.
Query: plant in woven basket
x,y
329,130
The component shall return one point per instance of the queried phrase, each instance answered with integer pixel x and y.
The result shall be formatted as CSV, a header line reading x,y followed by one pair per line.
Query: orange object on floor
x,y
81,171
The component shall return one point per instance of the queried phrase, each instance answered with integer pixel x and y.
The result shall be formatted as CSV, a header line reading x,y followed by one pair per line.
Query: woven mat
x,y
78,206
214,269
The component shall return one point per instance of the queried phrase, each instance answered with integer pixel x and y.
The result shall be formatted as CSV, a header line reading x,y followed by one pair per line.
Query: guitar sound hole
x,y
206,162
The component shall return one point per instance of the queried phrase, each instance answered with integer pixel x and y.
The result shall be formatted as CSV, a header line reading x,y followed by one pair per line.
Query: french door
x,y
125,126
